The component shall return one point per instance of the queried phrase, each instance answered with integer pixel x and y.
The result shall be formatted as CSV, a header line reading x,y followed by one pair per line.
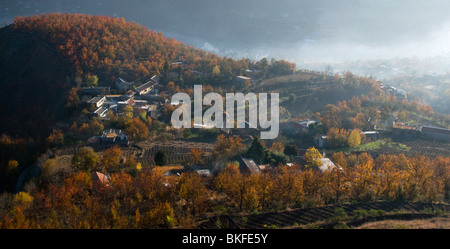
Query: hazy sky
x,y
292,29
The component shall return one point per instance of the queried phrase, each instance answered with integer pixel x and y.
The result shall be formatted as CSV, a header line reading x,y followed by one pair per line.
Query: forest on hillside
x,y
113,48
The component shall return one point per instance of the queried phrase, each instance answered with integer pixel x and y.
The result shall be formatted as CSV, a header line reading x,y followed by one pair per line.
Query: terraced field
x,y
144,152
428,147
298,217
175,155
410,147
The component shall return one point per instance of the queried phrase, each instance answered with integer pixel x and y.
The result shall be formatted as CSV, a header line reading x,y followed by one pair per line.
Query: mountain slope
x,y
35,81
112,47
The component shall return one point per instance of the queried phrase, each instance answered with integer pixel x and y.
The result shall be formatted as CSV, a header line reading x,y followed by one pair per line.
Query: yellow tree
x,y
231,182
264,185
225,147
364,179
136,129
354,139
197,155
313,157
311,185
419,178
288,185
277,147
192,190
389,180
111,158
159,216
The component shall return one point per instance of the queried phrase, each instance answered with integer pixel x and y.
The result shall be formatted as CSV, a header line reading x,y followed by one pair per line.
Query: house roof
x,y
112,133
370,133
155,78
99,179
101,110
203,172
144,86
95,99
251,165
327,165
243,77
436,130
120,80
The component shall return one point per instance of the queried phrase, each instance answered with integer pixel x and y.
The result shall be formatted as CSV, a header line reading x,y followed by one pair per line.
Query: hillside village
x,y
146,97
113,159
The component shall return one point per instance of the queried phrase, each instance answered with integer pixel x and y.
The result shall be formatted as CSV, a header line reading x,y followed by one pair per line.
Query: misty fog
x,y
311,33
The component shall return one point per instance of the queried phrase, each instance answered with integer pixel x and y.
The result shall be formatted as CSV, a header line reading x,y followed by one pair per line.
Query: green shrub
x,y
360,214
374,212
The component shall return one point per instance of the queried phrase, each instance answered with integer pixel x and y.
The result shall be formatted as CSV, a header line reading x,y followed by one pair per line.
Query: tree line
x,y
143,198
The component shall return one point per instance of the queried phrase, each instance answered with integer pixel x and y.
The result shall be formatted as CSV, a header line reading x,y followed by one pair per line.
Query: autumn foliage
x,y
148,199
101,45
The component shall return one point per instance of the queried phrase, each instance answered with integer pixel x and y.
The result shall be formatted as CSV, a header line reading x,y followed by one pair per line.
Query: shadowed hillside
x,y
34,83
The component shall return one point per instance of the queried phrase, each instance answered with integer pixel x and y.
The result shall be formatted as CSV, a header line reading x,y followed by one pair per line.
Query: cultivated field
x,y
177,151
301,218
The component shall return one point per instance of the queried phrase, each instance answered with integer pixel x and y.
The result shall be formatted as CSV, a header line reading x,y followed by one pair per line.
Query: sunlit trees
x,y
264,186
226,147
236,186
136,129
85,159
337,138
197,155
94,127
160,216
23,200
312,157
92,80
360,122
112,47
390,178
354,139
192,190
111,158
332,118
215,71
419,179
147,199
288,186
364,179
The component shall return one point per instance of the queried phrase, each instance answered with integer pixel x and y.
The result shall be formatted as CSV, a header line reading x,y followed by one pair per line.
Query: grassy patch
x,y
380,145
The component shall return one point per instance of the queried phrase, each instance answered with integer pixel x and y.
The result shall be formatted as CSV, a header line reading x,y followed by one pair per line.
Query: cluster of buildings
x,y
100,102
143,97
400,94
